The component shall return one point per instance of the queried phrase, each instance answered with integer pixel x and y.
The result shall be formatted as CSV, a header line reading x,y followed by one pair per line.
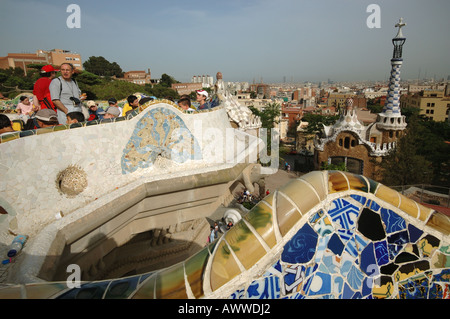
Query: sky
x,y
246,40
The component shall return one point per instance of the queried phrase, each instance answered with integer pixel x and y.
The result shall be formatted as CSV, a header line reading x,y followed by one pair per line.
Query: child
x,y
75,117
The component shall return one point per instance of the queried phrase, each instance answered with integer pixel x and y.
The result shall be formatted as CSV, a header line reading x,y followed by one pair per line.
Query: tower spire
x,y
391,118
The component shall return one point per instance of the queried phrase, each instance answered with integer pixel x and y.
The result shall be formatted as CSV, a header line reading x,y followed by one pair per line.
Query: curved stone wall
x,y
324,235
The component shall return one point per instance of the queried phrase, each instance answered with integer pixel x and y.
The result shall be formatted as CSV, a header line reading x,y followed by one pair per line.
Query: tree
x,y
316,121
269,116
404,165
102,67
167,81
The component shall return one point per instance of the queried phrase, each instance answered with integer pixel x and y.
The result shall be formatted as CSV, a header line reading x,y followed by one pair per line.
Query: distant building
x,y
361,145
205,80
55,57
186,88
432,103
137,77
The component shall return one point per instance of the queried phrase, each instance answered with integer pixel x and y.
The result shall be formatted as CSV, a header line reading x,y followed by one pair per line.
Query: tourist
x,y
5,125
113,102
132,104
26,108
202,95
111,112
43,118
65,93
75,117
94,112
185,104
41,91
212,234
229,225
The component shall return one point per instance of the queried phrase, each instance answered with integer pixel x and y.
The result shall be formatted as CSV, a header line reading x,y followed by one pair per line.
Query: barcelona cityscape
x,y
225,151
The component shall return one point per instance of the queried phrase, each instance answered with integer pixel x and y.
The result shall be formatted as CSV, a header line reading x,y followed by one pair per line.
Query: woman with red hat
x,y
41,92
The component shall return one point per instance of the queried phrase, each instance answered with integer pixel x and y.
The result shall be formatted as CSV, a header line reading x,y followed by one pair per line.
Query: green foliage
x,y
167,81
404,165
100,66
161,92
333,167
269,116
316,121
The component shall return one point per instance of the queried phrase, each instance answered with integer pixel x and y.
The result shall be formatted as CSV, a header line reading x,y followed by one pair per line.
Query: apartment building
x,y
55,57
434,104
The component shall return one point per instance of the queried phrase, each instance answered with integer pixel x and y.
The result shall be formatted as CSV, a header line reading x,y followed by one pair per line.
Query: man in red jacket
x,y
41,92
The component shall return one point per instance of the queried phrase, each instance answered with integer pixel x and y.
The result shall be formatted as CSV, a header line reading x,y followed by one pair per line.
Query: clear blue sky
x,y
244,39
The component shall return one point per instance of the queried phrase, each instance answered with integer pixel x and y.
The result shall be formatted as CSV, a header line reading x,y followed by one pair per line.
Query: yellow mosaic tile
x,y
439,222
44,291
9,137
317,180
388,195
170,283
301,194
224,267
269,199
287,214
195,268
245,245
357,182
426,247
11,292
45,130
261,218
425,212
336,182
408,206
147,290
383,291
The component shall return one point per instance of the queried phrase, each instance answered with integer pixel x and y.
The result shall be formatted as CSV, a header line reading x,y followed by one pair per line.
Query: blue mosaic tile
x,y
335,245
392,221
302,246
414,233
359,198
368,260
265,288
344,213
381,253
320,284
400,238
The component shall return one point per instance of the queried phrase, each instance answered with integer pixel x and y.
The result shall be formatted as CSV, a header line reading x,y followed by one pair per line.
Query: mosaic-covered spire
x,y
391,117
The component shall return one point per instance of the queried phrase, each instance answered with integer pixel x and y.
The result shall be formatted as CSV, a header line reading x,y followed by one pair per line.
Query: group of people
x,y
58,100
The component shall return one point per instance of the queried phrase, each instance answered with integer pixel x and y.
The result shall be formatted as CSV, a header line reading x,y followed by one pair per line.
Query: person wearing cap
x,y
94,112
41,91
202,95
43,118
65,93
111,112
113,102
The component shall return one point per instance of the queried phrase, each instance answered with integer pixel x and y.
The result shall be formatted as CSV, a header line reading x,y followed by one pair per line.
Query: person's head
x,y
48,71
133,101
5,124
92,106
112,102
111,112
46,118
75,117
25,100
202,95
67,70
184,103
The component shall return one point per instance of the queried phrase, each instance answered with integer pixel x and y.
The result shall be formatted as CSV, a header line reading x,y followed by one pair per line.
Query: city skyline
x,y
276,41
